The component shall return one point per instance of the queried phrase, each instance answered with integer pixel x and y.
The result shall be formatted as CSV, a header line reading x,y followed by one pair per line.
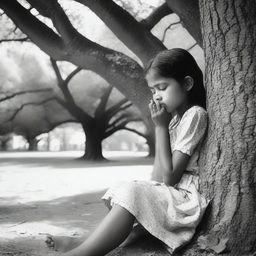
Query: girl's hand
x,y
159,114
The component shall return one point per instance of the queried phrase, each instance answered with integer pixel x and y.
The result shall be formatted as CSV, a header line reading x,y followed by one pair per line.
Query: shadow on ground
x,y
24,225
86,212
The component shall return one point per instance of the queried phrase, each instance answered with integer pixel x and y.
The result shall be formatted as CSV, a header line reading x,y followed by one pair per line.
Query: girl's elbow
x,y
168,180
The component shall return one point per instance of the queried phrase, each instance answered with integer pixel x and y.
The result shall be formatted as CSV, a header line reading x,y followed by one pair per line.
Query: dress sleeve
x,y
191,131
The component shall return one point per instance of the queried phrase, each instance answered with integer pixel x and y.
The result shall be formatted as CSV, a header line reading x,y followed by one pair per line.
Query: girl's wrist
x,y
161,127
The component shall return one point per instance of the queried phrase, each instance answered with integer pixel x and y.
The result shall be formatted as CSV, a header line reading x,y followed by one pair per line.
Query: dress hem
x,y
166,245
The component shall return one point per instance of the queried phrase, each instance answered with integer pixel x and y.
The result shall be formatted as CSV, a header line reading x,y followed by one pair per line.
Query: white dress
x,y
170,213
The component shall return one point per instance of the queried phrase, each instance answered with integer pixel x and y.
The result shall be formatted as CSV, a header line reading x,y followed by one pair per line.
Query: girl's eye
x,y
162,87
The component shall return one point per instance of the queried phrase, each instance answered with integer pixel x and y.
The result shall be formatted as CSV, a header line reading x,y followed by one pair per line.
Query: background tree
x,y
26,89
124,71
103,123
117,68
4,139
100,112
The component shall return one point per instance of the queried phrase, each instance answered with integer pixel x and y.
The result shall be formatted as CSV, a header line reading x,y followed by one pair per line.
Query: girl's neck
x,y
181,110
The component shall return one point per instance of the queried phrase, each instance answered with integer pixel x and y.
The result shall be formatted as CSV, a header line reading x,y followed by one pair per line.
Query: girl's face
x,y
168,91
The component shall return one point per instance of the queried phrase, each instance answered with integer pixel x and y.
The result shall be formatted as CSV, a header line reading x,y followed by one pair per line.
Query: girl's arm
x,y
170,166
162,163
156,173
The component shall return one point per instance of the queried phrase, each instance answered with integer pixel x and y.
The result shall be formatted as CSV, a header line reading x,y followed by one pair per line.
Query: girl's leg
x,y
136,234
112,230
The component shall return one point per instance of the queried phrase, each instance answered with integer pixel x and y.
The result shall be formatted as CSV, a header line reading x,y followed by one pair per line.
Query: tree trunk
x,y
151,146
32,144
48,142
4,143
228,162
93,144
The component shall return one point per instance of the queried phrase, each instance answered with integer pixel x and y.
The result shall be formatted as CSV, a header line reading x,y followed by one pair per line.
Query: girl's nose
x,y
157,97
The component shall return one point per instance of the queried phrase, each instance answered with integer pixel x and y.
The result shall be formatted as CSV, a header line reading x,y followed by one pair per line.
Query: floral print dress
x,y
170,213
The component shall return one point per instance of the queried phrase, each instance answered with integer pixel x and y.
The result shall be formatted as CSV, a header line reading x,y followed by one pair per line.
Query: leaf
x,y
221,245
204,242
211,242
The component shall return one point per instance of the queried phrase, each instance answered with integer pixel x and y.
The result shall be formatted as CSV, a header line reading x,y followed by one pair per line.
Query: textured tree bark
x,y
228,166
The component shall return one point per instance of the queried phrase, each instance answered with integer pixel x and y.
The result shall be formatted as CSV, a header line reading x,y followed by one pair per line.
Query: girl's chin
x,y
167,109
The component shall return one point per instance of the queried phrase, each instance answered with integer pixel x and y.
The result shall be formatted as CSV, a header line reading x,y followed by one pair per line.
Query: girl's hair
x,y
177,63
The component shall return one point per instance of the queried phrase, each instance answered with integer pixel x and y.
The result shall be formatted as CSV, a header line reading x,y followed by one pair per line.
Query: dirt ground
x,y
55,193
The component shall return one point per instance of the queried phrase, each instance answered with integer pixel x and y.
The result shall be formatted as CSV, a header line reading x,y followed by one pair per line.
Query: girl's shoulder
x,y
192,114
195,112
196,109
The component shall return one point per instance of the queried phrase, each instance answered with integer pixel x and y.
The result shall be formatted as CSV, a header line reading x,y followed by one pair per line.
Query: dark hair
x,y
177,63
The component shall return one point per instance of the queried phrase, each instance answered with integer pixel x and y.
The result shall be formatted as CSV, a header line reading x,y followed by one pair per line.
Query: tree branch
x,y
27,104
124,107
37,31
131,119
124,119
156,16
62,23
165,31
57,71
70,103
102,105
118,119
133,34
188,11
55,124
72,74
115,67
23,39
24,92
112,130
193,45
40,6
135,131
109,113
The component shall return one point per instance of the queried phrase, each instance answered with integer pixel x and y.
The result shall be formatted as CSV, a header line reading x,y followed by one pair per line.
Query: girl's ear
x,y
188,83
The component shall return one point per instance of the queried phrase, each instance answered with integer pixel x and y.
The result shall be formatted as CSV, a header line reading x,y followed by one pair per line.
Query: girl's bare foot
x,y
136,234
63,243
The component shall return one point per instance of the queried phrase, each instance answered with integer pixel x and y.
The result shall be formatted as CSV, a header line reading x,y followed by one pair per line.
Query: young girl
x,y
169,206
